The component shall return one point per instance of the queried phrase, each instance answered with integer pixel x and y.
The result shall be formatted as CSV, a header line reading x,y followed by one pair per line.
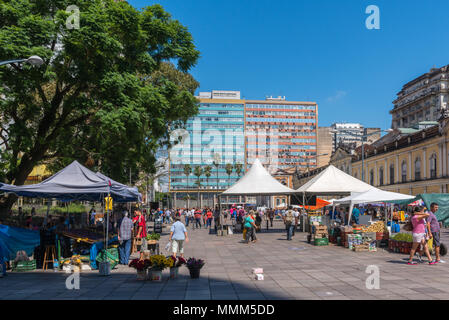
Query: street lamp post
x,y
216,163
33,60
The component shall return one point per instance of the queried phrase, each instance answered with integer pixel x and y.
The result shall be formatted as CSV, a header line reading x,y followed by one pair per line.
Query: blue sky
x,y
315,50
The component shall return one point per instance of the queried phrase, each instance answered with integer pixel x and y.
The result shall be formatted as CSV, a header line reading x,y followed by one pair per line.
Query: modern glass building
x,y
230,130
216,133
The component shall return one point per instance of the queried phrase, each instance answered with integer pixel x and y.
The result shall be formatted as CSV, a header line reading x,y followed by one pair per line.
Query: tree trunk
x,y
24,169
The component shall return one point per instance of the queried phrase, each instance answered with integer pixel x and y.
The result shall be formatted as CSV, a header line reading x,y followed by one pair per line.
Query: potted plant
x,y
177,262
153,238
141,267
194,265
159,263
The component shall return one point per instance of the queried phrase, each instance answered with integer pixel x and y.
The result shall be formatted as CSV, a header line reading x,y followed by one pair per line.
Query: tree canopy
x,y
106,94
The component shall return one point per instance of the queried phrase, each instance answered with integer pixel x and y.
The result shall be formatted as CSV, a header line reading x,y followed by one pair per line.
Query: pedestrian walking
x,y
434,230
209,218
124,238
249,225
198,219
271,216
178,235
141,233
289,218
419,234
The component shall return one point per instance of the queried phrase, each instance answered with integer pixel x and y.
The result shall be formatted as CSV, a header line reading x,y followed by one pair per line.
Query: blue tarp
x,y
14,239
95,249
76,182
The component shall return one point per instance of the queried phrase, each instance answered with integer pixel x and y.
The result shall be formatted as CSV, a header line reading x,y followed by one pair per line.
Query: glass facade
x,y
217,129
280,135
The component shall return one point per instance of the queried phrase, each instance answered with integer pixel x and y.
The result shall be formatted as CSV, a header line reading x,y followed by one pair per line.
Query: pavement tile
x,y
293,270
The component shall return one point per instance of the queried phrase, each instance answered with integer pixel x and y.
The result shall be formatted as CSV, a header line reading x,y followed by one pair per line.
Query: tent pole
x,y
351,207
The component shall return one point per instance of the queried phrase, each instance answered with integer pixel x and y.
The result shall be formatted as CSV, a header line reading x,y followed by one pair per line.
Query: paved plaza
x,y
292,269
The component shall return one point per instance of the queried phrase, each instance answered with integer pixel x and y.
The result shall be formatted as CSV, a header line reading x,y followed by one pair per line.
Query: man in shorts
x,y
434,226
178,234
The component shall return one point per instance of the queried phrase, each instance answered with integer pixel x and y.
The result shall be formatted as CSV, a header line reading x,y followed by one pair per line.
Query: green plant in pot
x,y
154,236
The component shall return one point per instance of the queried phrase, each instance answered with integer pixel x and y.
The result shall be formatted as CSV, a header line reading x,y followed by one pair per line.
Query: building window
x,y
391,174
381,176
371,177
418,169
433,166
404,171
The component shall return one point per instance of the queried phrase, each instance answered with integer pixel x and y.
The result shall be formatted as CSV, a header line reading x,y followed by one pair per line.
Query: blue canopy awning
x,y
76,182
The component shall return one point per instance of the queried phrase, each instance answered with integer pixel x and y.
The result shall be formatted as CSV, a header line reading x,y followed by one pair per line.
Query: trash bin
x,y
158,226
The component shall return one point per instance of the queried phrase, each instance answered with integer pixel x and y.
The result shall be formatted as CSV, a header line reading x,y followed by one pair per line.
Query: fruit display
x,y
81,235
377,226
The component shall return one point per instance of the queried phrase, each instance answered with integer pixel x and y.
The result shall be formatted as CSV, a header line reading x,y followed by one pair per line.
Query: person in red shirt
x,y
198,218
209,218
141,233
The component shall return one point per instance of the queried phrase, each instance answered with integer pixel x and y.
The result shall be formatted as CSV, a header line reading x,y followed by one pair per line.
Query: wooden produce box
x,y
361,248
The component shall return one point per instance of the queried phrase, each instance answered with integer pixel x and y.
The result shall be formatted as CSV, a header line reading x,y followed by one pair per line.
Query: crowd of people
x,y
250,221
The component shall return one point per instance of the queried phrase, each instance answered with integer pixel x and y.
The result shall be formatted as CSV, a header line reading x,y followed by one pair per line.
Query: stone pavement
x,y
292,270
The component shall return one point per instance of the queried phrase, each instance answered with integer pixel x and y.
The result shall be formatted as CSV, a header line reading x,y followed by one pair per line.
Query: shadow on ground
x,y
125,286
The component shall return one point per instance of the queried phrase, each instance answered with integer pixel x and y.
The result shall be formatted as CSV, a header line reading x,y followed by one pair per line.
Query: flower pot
x,y
141,275
194,273
174,272
156,275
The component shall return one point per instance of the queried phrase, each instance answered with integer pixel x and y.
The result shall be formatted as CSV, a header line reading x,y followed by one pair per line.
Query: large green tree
x,y
106,93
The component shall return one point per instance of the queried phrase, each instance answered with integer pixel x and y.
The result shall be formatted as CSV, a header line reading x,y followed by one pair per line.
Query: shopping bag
x,y
244,234
168,246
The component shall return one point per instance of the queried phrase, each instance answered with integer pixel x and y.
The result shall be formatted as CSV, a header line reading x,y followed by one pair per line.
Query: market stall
x,y
330,182
373,195
257,182
75,182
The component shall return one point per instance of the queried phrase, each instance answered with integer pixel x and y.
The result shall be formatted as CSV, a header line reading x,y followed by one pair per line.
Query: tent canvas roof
x,y
75,182
373,195
257,181
333,181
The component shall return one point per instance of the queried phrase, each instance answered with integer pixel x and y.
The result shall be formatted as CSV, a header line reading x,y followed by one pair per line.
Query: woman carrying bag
x,y
418,223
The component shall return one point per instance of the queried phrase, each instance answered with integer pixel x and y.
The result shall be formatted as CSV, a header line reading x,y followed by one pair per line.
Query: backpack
x,y
289,217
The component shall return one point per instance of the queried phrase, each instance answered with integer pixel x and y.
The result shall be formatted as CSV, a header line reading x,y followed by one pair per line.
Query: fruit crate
x,y
361,248
321,242
24,266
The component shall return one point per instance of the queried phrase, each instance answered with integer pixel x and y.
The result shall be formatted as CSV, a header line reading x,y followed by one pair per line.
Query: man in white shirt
x,y
296,214
168,215
189,215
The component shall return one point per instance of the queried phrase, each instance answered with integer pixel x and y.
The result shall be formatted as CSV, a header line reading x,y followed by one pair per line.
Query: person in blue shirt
x,y
355,215
178,234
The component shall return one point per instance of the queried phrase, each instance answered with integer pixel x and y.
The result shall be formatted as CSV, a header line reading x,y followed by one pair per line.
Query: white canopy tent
x,y
333,181
371,196
257,181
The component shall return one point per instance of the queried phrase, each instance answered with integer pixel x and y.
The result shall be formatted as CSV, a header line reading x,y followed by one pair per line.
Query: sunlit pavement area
x,y
292,270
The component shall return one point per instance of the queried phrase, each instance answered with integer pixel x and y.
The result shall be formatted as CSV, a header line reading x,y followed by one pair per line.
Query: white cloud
x,y
340,94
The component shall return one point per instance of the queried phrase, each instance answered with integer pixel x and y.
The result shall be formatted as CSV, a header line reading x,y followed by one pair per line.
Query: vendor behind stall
x,y
355,215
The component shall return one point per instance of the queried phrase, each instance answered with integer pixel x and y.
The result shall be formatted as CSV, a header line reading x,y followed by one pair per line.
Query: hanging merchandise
x,y
108,203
